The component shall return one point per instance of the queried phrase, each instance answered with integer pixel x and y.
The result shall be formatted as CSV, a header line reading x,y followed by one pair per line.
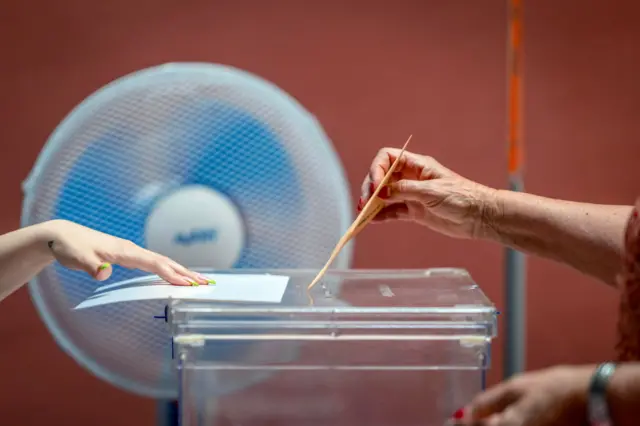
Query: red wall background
x,y
372,72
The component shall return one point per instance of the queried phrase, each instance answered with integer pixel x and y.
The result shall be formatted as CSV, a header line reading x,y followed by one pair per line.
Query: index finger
x,y
409,164
493,401
168,269
133,256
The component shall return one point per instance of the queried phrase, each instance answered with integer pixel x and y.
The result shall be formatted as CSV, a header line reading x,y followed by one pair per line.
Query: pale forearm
x,y
587,237
23,254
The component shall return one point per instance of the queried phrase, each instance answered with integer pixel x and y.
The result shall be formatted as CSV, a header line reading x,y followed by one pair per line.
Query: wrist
x,y
43,234
576,381
491,214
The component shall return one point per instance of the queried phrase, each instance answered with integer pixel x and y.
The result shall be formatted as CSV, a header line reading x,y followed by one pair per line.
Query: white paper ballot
x,y
229,288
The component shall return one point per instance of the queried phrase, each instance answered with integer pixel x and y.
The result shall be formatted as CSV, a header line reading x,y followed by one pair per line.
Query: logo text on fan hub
x,y
196,236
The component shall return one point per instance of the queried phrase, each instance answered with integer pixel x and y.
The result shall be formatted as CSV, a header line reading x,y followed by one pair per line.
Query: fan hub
x,y
198,227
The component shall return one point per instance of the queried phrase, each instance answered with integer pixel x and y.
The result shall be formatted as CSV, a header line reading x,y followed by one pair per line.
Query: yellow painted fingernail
x,y
104,266
194,284
211,282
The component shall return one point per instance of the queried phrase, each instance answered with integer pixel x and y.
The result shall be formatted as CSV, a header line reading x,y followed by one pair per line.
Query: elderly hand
x,y
424,191
81,248
555,396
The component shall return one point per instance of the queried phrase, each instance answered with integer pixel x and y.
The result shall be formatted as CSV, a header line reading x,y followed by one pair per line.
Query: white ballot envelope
x,y
255,288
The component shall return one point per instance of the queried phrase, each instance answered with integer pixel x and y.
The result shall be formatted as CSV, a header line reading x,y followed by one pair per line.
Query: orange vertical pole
x,y
515,75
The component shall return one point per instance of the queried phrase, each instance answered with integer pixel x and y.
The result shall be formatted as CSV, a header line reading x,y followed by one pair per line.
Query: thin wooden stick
x,y
373,206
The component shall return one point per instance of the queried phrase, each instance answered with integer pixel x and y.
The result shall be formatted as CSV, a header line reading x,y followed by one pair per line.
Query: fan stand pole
x,y
167,413
515,267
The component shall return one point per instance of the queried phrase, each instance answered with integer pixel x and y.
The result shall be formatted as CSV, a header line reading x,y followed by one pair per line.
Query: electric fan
x,y
210,165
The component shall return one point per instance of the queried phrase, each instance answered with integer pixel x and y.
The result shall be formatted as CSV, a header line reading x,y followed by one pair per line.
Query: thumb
x,y
406,190
88,262
95,267
103,272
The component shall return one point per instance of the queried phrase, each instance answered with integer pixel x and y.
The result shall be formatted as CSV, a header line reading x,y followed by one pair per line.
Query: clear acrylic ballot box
x,y
361,348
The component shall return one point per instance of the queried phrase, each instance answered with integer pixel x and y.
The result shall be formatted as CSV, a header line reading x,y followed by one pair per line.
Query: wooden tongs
x,y
369,211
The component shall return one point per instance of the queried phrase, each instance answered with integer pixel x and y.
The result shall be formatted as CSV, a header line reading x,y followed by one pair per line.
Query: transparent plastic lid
x,y
445,303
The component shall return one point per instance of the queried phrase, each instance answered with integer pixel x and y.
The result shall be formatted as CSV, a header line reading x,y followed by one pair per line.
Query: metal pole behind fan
x,y
515,270
167,413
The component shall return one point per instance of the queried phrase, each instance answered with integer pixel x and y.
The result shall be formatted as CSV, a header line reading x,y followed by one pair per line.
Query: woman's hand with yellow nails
x,y
81,248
